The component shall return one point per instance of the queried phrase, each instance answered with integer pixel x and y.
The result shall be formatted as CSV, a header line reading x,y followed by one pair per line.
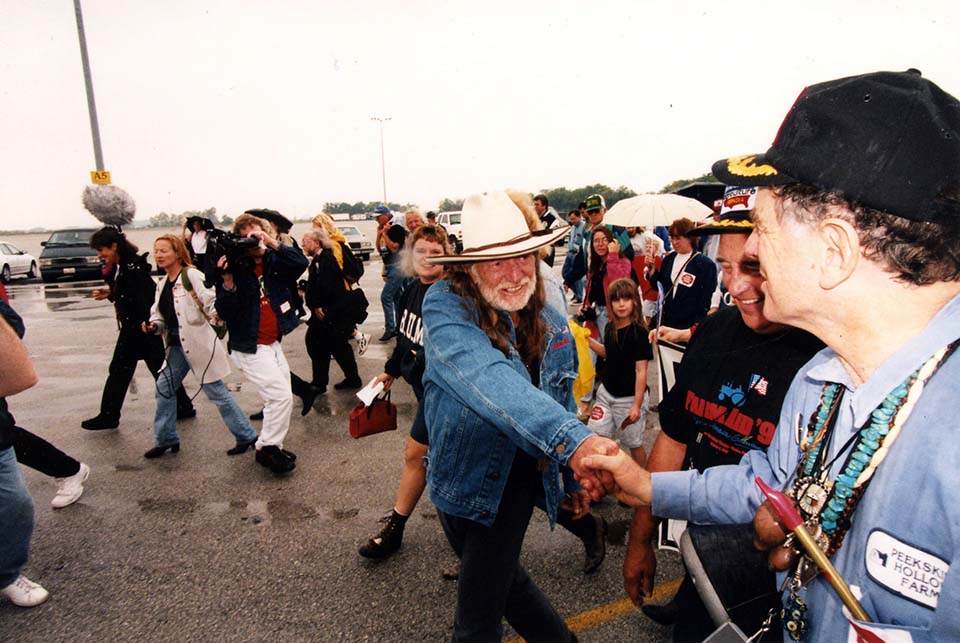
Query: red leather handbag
x,y
380,416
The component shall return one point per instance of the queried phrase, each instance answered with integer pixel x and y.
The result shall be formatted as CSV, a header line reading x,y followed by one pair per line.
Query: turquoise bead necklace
x,y
827,506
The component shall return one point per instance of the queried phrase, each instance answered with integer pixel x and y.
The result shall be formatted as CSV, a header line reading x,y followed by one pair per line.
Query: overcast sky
x,y
239,104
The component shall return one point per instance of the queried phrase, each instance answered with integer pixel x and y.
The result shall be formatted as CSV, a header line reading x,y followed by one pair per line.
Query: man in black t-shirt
x,y
725,402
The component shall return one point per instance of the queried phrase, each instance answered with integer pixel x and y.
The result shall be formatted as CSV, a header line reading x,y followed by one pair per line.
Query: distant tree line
x,y
450,205
168,220
360,207
563,199
679,183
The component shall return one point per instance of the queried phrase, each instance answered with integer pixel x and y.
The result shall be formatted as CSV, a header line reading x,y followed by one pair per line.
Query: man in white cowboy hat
x,y
499,404
857,228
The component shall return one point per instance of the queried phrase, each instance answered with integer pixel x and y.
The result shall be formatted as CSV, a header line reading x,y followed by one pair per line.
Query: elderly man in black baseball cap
x,y
858,235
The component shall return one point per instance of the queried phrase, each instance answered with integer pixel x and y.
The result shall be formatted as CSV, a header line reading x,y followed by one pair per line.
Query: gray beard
x,y
498,302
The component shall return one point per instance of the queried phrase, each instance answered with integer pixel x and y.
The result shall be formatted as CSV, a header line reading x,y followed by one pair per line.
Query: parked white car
x,y
14,261
358,242
451,223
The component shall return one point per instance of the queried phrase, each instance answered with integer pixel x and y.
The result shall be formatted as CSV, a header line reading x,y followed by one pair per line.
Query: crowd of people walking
x,y
817,310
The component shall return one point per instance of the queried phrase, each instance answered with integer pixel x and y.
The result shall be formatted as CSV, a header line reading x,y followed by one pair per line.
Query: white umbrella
x,y
651,210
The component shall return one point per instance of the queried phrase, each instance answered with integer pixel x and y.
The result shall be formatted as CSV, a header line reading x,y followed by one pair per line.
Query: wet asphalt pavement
x,y
199,546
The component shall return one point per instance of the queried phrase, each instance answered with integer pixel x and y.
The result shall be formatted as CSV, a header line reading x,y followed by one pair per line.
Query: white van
x,y
451,223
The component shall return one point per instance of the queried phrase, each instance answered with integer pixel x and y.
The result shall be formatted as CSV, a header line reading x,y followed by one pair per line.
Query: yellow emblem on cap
x,y
746,223
744,166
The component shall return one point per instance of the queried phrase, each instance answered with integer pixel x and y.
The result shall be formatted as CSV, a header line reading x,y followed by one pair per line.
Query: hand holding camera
x,y
586,314
223,266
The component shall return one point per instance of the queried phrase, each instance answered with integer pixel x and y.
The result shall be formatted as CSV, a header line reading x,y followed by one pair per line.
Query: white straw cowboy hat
x,y
495,228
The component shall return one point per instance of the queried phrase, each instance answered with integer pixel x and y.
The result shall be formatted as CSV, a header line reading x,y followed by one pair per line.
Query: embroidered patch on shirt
x,y
560,344
686,279
905,570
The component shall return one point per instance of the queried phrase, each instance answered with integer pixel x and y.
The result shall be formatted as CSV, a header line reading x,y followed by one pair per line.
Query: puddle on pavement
x,y
251,512
290,511
168,505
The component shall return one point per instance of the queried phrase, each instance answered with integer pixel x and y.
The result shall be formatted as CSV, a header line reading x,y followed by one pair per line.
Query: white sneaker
x,y
70,489
363,340
24,592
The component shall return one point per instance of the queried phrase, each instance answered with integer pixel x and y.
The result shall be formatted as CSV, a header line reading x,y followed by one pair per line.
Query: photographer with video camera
x,y
254,299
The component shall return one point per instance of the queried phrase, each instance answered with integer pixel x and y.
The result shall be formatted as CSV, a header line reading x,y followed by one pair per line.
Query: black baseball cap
x,y
887,140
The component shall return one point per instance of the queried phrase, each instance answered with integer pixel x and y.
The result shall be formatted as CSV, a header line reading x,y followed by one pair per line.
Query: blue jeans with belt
x,y
492,584
165,420
16,518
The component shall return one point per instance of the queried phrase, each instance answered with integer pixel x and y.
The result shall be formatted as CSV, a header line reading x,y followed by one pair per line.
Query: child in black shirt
x,y
620,408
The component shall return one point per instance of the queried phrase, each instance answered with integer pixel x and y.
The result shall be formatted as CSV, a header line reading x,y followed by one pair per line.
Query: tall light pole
x,y
88,81
383,164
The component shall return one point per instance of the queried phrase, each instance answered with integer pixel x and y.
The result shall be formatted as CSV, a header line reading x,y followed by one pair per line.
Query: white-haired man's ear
x,y
841,251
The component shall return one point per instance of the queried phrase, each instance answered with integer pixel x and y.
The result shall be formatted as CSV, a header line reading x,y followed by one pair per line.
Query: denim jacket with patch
x,y
481,407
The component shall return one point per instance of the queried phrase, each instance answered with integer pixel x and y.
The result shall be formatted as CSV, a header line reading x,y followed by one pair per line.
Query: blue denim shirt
x,y
481,407
576,237
905,532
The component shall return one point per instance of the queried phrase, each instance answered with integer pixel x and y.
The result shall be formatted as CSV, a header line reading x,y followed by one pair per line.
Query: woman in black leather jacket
x,y
131,289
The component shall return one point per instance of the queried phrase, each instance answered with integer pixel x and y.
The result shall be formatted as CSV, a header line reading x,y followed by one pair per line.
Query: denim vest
x,y
481,407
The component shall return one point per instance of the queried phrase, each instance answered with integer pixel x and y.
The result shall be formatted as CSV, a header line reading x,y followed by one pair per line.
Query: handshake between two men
x,y
603,468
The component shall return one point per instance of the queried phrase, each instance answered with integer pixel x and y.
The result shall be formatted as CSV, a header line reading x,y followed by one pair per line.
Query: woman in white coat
x,y
181,313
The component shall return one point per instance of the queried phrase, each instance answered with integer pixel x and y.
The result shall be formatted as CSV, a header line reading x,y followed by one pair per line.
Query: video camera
x,y
221,243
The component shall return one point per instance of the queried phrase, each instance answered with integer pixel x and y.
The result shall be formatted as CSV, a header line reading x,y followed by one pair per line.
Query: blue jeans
x,y
492,584
16,517
390,296
165,421
576,285
577,288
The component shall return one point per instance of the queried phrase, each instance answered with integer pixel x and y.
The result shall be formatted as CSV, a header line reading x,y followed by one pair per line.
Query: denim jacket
x,y
481,407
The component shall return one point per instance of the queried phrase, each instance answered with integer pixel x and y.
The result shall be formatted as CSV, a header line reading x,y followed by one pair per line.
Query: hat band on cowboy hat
x,y
887,140
494,228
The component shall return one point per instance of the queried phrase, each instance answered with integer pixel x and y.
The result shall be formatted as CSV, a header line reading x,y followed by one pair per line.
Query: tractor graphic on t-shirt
x,y
734,394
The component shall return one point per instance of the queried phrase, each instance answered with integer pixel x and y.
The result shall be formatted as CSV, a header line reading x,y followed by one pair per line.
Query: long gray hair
x,y
320,236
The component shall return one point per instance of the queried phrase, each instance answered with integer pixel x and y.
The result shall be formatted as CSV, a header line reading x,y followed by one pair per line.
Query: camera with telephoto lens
x,y
221,243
